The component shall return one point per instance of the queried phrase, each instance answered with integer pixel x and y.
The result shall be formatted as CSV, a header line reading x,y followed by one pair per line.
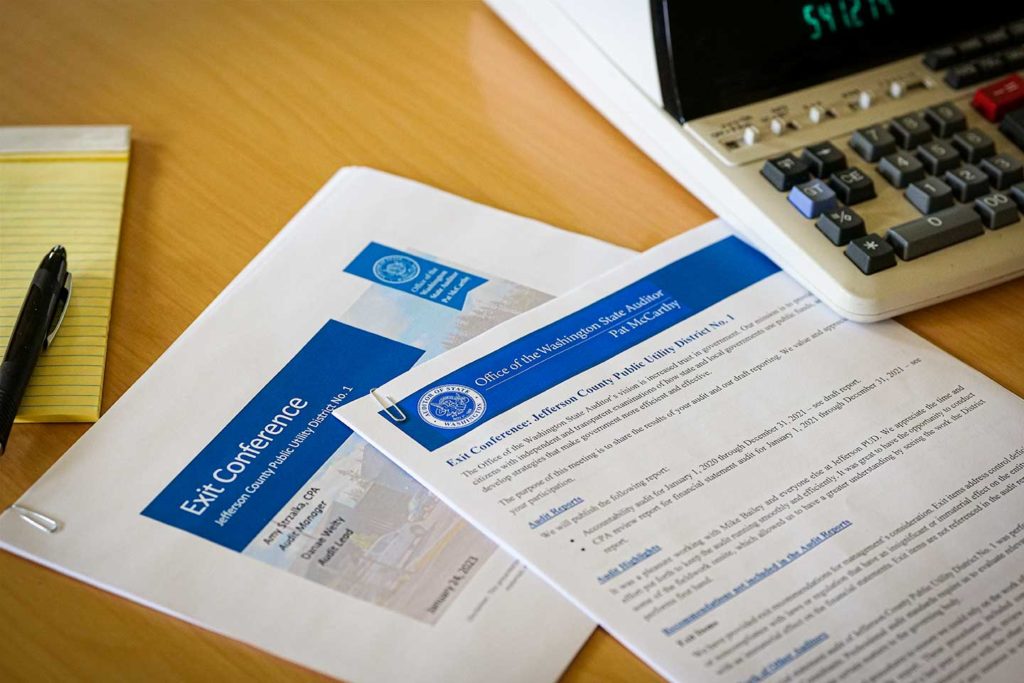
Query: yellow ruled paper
x,y
63,186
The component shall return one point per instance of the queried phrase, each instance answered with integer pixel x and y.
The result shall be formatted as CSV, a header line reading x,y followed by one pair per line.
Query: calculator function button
x,y
751,134
852,185
777,126
996,210
990,65
938,156
841,225
930,195
901,169
1013,58
995,40
865,99
970,47
1002,170
974,145
968,182
816,114
996,99
941,57
873,143
1013,127
824,158
813,197
963,75
897,89
937,231
910,130
945,119
785,171
870,253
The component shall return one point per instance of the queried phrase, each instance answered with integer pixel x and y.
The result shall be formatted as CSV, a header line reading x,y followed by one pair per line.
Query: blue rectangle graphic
x,y
414,275
487,387
258,462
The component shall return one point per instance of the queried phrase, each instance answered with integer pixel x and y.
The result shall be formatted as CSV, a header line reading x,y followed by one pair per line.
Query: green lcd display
x,y
825,19
715,56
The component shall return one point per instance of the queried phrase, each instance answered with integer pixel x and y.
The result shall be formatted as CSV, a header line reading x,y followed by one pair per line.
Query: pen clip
x,y
63,299
388,404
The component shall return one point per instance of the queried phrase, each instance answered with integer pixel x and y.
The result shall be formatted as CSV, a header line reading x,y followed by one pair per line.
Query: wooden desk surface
x,y
240,111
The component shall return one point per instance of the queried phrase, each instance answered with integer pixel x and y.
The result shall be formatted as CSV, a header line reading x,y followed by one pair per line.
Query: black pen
x,y
41,315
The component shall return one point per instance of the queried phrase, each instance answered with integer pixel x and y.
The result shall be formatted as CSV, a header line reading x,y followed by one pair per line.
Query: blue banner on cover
x,y
529,366
414,275
259,461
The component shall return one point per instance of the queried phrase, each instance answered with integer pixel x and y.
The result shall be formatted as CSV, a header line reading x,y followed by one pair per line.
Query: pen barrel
x,y
8,409
21,355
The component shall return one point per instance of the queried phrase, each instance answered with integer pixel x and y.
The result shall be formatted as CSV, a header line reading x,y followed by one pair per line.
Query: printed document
x,y
220,489
736,483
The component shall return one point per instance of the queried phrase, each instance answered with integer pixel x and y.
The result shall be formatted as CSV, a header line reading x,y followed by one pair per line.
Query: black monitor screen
x,y
714,56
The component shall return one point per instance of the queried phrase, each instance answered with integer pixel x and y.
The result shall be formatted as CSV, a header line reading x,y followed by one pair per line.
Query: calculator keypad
x,y
953,174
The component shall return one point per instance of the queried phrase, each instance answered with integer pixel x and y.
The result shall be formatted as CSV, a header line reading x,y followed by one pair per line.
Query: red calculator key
x,y
996,99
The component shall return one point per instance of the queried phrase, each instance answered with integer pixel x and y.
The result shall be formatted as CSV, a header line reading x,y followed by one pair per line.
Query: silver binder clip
x,y
38,519
391,409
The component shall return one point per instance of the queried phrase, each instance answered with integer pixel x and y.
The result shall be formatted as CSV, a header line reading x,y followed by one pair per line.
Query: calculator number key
x,y
938,156
974,145
1002,170
996,210
931,233
968,182
930,195
873,143
945,119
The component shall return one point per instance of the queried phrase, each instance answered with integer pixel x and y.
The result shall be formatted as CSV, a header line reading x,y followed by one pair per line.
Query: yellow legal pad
x,y
63,185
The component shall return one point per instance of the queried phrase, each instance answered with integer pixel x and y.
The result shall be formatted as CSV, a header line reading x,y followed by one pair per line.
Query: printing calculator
x,y
873,148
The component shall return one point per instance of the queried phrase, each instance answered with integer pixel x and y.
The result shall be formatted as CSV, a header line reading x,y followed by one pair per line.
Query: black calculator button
x,y
968,182
995,40
870,253
873,143
937,231
970,47
1017,192
991,65
824,159
938,156
996,210
785,171
841,225
945,119
901,169
1013,58
940,58
974,145
1016,31
930,195
910,130
963,75
852,185
1002,170
1013,127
